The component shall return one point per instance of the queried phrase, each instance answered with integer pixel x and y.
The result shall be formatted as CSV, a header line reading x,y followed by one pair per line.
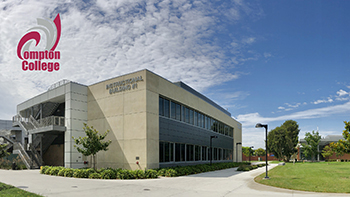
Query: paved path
x,y
226,183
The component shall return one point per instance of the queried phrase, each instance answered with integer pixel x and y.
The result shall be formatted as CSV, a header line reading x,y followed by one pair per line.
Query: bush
x,y
54,170
83,173
170,173
139,174
43,169
95,175
108,174
151,174
244,168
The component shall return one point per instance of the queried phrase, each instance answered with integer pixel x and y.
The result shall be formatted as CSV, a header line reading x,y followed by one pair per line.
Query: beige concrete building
x,y
152,122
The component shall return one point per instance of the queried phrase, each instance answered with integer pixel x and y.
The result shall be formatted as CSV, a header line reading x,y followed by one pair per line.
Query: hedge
x,y
110,173
249,167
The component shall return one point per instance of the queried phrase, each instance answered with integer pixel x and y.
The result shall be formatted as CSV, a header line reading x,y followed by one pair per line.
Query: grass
x,y
333,177
8,190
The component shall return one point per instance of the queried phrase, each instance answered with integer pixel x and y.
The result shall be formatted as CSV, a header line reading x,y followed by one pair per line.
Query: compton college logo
x,y
45,60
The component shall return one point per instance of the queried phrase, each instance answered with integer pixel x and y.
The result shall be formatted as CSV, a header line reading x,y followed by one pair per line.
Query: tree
x,y
327,152
92,143
282,141
260,152
246,151
3,152
312,141
342,146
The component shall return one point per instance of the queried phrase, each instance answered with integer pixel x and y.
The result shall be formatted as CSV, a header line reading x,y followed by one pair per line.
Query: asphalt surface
x,y
227,183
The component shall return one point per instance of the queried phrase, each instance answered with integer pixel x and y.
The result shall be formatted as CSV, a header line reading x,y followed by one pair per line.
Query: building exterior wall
x,y
159,86
132,117
124,115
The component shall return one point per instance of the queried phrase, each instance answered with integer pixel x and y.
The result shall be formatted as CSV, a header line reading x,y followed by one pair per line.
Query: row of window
x,y
171,109
178,152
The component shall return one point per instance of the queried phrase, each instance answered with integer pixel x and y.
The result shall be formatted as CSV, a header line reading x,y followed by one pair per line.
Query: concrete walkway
x,y
226,183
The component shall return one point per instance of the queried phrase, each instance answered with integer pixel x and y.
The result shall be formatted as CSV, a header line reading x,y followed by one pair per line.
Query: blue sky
x,y
265,61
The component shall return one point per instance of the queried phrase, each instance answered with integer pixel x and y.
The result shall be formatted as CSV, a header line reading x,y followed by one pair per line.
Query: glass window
x,y
226,130
171,151
189,152
191,116
161,151
179,152
215,154
187,115
166,151
204,153
197,153
161,106
173,110
195,118
221,127
166,108
178,112
220,154
231,131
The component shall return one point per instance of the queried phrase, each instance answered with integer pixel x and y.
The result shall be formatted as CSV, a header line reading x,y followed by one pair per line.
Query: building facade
x,y
152,122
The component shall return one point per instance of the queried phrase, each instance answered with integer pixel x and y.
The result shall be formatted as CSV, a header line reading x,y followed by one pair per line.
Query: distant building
x,y
324,142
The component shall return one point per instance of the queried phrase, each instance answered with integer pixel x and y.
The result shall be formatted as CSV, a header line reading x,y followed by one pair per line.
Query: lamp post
x,y
265,126
238,143
211,150
250,153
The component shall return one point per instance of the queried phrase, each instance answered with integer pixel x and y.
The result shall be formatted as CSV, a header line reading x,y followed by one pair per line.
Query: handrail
x,y
36,155
23,154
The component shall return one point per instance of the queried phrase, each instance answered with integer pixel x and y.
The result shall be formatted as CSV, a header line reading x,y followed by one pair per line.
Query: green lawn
x,y
8,190
317,177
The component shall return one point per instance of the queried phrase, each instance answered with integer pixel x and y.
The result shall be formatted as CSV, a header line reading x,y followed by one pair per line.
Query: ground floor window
x,y
180,152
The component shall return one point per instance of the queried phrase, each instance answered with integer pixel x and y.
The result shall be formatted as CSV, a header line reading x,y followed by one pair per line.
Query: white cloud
x,y
106,38
328,100
253,118
281,108
342,93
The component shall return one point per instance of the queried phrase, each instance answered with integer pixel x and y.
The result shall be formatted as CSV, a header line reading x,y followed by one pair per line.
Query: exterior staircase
x,y
32,154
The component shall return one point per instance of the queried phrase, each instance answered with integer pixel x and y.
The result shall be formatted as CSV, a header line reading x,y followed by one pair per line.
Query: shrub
x,y
108,174
170,173
139,174
43,169
151,174
54,170
95,175
69,172
244,168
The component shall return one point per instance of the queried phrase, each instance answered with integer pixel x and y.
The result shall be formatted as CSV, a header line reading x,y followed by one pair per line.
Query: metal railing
x,y
23,154
51,120
31,124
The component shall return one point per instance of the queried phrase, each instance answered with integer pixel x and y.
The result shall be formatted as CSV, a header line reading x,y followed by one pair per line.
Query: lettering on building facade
x,y
123,85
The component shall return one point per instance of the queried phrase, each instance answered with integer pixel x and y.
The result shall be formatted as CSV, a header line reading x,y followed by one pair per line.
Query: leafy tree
x,y
327,152
312,141
282,141
91,143
246,151
260,152
342,146
3,152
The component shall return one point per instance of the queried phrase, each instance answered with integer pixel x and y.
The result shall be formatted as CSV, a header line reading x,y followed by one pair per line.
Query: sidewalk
x,y
226,183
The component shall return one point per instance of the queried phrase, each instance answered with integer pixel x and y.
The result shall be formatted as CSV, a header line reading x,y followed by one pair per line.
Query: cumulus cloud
x,y
106,38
